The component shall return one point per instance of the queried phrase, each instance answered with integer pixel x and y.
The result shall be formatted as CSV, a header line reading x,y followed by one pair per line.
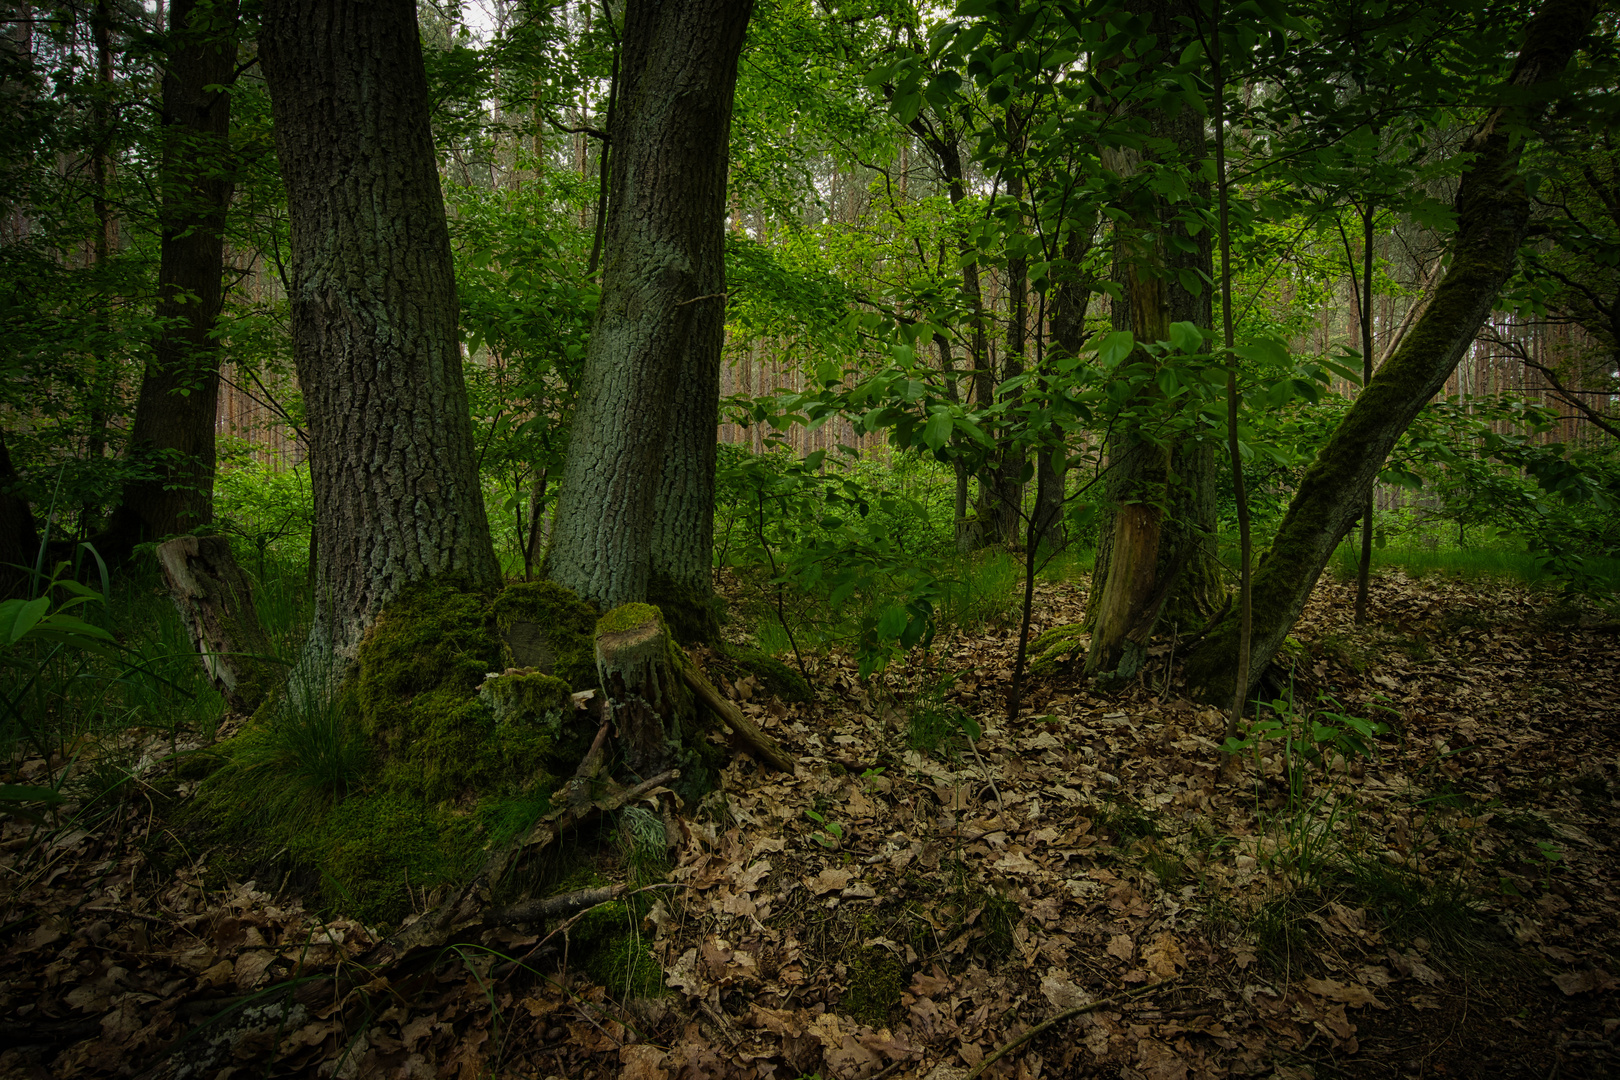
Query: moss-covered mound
x,y
544,626
435,750
1055,649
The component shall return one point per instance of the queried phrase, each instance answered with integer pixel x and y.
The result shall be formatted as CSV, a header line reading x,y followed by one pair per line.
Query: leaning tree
x,y
1493,216
635,518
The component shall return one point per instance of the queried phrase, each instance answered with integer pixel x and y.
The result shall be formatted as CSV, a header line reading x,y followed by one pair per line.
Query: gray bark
x,y
374,311
634,486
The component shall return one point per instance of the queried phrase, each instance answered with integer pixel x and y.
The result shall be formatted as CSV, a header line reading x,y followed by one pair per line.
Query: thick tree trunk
x,y
1156,550
374,310
172,434
215,600
1493,213
634,469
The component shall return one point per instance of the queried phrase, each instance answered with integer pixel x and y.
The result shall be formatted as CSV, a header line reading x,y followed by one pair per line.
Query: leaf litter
x,y
1443,907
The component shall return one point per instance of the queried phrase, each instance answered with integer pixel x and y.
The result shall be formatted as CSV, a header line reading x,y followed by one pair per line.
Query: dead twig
x,y
1045,1025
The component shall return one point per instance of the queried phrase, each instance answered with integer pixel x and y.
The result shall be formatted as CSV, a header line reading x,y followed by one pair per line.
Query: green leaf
x,y
1187,337
1115,348
892,622
937,432
17,617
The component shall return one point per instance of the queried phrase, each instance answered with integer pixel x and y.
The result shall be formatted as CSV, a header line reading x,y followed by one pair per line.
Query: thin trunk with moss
x,y
1493,215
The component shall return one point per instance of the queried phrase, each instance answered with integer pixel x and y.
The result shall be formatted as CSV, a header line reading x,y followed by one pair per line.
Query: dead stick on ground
x,y
761,743
1066,1014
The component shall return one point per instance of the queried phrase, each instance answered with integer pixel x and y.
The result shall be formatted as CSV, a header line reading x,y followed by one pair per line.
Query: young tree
x,y
637,505
1493,213
374,310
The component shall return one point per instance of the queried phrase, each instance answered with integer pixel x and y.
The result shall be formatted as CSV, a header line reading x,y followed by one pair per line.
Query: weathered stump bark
x,y
215,600
649,683
636,659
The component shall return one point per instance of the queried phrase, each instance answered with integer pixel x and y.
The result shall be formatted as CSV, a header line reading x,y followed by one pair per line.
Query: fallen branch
x,y
764,747
1065,1015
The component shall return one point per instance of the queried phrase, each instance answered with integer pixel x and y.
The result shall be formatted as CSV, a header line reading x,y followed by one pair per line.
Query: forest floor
x,y
1445,908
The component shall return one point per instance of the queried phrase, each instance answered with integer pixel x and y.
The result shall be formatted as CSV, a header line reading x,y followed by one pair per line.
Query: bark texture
x,y
215,600
638,485
1155,547
374,311
173,430
1493,213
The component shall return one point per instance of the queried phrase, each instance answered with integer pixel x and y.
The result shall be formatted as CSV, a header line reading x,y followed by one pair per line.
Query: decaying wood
x,y
764,747
645,696
215,601
1066,1015
471,903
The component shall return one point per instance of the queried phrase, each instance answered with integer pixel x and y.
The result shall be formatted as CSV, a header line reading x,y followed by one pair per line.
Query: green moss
x,y
616,955
628,617
875,980
526,698
777,677
544,626
1055,649
369,848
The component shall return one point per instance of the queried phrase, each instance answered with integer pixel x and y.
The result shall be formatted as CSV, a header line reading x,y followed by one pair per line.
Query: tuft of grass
x,y
982,589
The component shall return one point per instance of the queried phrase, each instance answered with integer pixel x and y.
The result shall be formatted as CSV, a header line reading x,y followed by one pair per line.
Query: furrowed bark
x,y
1493,213
374,312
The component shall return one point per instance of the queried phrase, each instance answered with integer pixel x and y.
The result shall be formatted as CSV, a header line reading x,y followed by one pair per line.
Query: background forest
x,y
1045,327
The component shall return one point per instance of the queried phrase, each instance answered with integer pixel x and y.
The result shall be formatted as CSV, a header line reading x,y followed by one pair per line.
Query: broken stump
x,y
215,600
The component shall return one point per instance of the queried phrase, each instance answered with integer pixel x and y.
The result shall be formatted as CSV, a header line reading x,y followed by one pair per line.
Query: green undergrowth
x,y
377,793
1470,564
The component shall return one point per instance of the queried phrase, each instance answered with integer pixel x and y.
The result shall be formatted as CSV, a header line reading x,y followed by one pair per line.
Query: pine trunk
x,y
374,311
1493,214
637,491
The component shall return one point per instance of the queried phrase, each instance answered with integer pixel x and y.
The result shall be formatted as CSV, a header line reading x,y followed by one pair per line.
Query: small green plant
x,y
828,833
1310,737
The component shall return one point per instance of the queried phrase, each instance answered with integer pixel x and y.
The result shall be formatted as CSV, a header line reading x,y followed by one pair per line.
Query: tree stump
x,y
649,683
215,600
637,661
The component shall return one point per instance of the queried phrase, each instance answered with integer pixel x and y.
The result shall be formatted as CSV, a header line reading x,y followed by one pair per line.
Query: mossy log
x,y
215,600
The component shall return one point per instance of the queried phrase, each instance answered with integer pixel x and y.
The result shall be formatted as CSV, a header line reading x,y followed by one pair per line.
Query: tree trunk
x,y
1002,494
1071,300
19,540
1493,213
215,600
635,470
1156,546
172,434
374,311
